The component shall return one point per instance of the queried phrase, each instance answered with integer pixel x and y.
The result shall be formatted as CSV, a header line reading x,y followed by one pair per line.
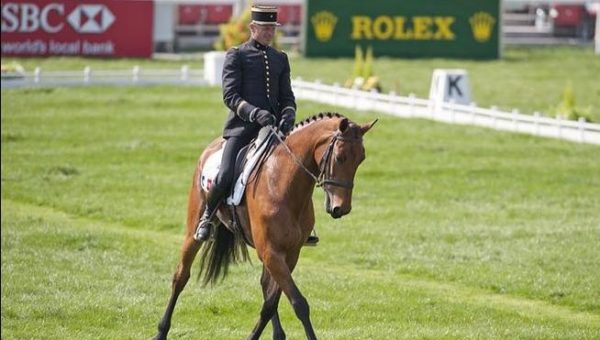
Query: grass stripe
x,y
120,246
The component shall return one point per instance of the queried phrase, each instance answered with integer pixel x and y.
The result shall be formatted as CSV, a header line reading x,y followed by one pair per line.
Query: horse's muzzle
x,y
335,211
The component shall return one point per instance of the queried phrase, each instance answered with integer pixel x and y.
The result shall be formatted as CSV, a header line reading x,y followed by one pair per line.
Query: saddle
x,y
246,160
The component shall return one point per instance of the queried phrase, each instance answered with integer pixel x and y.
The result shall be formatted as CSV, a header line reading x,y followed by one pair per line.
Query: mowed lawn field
x,y
530,80
456,232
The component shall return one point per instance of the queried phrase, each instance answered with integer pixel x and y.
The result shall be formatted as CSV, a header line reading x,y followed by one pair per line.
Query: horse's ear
x,y
343,125
366,127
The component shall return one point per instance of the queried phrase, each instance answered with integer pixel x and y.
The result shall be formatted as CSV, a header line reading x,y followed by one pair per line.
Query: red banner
x,y
94,28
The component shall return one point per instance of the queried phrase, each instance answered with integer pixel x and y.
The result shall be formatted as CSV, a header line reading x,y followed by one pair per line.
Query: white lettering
x,y
29,18
57,47
24,47
59,8
10,21
103,48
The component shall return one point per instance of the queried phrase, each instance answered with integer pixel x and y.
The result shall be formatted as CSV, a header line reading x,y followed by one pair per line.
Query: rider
x,y
257,90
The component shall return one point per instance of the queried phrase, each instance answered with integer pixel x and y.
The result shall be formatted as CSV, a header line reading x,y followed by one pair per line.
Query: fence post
x,y
185,73
336,93
411,104
299,91
391,108
37,75
515,112
432,108
536,123
373,99
473,110
136,73
87,74
581,122
318,96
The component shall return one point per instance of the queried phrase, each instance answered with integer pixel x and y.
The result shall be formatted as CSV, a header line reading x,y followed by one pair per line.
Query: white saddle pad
x,y
213,163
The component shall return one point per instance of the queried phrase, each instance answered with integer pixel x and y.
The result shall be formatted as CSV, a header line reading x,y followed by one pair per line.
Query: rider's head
x,y
263,24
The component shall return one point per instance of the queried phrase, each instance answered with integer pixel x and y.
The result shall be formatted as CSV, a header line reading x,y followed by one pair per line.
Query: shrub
x,y
362,71
567,109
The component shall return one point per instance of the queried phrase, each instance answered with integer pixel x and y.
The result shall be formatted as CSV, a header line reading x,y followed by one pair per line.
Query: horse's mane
x,y
318,117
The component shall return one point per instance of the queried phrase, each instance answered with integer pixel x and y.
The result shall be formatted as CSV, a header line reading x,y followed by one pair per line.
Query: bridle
x,y
325,176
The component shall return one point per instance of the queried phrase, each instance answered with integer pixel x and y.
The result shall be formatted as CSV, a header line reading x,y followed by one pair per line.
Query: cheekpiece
x,y
264,15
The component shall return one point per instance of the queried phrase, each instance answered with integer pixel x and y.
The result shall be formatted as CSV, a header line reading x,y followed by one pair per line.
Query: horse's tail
x,y
226,248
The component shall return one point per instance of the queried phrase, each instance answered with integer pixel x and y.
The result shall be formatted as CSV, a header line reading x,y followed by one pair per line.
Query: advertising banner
x,y
412,29
93,28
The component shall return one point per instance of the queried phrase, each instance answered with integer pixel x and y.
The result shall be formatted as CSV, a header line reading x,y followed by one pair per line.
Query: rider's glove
x,y
264,118
287,121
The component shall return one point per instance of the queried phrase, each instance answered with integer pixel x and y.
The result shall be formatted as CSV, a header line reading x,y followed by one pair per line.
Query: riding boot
x,y
205,224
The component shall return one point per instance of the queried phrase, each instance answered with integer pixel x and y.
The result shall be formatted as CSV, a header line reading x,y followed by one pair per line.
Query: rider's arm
x,y
287,101
232,86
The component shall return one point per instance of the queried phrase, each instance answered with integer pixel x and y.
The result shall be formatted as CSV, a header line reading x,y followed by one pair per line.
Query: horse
x,y
276,216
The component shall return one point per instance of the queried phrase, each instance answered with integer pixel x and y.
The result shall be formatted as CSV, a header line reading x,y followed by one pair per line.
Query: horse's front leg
x,y
271,295
280,267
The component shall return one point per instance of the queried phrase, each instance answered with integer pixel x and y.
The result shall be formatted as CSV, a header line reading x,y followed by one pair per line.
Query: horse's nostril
x,y
336,212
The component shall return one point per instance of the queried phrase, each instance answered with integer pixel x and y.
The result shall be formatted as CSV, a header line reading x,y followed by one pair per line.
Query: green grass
x,y
456,232
526,79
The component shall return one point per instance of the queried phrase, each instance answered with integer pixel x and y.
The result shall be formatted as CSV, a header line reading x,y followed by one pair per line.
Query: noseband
x,y
325,176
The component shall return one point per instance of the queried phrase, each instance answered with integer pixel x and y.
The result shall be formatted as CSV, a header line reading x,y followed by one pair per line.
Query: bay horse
x,y
276,216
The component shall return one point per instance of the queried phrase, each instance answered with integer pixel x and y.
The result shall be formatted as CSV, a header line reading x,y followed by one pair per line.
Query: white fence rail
x,y
411,106
88,76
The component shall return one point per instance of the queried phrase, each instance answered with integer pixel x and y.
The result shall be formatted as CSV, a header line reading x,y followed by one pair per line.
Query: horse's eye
x,y
340,158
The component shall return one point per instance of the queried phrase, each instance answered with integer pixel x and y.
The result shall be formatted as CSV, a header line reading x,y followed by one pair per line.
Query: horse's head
x,y
339,163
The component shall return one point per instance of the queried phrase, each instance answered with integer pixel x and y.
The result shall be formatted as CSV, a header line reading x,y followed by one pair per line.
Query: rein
x,y
324,177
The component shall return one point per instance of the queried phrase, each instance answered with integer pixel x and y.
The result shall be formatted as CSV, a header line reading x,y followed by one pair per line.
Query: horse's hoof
x,y
160,336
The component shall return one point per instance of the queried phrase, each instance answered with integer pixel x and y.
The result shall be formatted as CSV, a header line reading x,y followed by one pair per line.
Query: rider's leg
x,y
221,186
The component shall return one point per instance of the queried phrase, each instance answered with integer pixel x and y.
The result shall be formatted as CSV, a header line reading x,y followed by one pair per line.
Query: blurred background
x,y
173,26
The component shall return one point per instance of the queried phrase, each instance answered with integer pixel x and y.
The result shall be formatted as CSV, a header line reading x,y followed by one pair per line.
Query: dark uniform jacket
x,y
255,77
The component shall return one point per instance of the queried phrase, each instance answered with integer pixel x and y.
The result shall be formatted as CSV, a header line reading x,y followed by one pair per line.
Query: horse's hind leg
x,y
180,278
189,249
271,295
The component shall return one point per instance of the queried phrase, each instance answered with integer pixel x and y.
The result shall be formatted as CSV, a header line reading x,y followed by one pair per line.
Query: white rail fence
x,y
131,77
413,107
408,107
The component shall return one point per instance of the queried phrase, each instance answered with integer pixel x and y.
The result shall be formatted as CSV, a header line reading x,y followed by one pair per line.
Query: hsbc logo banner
x,y
98,28
91,18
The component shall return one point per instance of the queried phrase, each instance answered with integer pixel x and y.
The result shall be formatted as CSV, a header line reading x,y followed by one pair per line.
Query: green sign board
x,y
413,29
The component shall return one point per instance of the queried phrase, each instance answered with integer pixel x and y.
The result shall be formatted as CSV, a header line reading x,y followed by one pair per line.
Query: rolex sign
x,y
412,29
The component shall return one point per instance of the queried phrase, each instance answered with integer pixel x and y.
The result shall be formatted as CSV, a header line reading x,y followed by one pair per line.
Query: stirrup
x,y
203,229
312,240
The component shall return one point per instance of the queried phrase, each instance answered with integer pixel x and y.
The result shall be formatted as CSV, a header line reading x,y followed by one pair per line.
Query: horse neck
x,y
307,142
307,146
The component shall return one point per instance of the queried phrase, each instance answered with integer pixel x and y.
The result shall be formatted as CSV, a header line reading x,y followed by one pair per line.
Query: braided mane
x,y
316,118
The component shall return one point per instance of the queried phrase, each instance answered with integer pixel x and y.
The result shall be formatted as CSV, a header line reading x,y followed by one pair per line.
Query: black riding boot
x,y
212,203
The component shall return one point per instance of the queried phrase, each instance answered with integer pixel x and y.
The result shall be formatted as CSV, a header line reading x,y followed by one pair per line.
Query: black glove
x,y
264,118
287,122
